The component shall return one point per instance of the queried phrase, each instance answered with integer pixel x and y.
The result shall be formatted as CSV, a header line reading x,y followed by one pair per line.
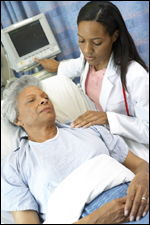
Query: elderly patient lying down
x,y
50,153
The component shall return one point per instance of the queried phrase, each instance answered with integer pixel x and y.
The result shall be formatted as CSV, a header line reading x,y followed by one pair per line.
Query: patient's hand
x,y
50,65
90,118
138,188
110,213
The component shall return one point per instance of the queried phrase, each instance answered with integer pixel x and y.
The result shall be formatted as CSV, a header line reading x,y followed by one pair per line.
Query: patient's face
x,y
35,108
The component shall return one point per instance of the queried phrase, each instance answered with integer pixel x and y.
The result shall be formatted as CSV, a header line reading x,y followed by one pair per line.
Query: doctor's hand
x,y
137,203
50,65
90,118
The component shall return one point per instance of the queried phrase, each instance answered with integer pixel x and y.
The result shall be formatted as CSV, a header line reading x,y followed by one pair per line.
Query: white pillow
x,y
68,101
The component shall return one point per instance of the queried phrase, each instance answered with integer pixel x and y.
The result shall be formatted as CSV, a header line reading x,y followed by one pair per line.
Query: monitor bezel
x,y
10,48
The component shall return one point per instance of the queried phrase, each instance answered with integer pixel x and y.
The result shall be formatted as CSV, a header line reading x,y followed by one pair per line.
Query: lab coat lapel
x,y
85,70
107,84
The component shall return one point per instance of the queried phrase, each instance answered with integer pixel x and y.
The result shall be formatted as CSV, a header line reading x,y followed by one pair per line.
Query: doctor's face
x,y
95,43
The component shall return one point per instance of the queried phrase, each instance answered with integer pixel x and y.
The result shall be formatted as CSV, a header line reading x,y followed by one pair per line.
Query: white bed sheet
x,y
72,197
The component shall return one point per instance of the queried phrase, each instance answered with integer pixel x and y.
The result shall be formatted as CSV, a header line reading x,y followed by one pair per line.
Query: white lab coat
x,y
135,127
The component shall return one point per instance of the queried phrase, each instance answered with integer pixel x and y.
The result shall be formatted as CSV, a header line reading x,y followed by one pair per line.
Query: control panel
x,y
40,55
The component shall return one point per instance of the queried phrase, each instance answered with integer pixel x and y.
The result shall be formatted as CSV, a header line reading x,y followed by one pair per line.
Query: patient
x,y
50,152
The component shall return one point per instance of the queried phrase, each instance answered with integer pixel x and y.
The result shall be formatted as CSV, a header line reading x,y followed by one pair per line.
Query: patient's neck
x,y
42,134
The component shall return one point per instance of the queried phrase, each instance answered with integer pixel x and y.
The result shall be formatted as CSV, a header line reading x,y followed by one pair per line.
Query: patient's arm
x,y
26,217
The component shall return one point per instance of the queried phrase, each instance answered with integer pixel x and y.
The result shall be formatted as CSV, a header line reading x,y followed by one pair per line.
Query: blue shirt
x,y
32,172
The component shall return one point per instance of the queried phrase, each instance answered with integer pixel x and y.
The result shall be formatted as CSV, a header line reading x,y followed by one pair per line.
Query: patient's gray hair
x,y
10,105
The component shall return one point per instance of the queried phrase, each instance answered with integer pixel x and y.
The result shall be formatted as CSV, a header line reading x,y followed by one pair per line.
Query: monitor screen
x,y
28,38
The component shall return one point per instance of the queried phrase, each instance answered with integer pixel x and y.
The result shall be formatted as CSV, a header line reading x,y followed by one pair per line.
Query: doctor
x,y
112,73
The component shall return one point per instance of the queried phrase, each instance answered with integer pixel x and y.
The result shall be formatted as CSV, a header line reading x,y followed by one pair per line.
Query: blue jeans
x,y
107,196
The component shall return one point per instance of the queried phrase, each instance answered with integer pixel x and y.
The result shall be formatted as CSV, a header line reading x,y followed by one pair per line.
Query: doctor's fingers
x,y
37,60
43,62
85,118
50,65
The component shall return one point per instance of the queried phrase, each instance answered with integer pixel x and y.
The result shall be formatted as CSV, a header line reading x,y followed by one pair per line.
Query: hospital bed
x,y
69,103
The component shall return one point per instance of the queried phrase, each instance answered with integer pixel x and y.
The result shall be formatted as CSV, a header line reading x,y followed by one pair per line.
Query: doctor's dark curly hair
x,y
124,49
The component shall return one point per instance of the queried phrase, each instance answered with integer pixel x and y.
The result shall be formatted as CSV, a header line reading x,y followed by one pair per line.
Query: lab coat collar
x,y
111,69
107,83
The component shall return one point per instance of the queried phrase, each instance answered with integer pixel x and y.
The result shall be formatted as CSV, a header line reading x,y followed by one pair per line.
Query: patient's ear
x,y
18,122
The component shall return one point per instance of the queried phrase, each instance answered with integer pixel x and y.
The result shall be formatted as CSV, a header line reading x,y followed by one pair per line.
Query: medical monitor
x,y
29,38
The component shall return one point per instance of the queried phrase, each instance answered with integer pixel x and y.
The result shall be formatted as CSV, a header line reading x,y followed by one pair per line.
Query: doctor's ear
x,y
115,35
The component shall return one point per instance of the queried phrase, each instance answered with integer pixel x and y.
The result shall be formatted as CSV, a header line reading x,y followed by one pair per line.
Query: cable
x,y
10,80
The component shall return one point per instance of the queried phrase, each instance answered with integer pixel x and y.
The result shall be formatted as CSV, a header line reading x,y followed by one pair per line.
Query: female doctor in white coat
x,y
108,51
